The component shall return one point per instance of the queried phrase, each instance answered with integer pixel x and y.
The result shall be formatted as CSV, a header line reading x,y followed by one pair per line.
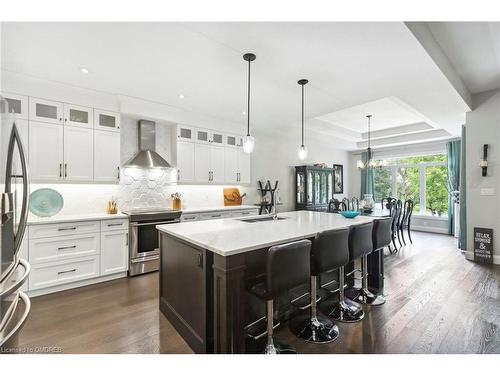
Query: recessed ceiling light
x,y
243,113
84,70
181,96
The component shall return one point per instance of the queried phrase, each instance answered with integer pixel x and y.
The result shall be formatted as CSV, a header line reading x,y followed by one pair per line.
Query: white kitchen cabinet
x,y
202,171
106,156
202,135
217,138
185,162
78,154
106,120
75,115
243,167
43,250
46,151
217,164
114,252
185,133
17,106
231,164
46,110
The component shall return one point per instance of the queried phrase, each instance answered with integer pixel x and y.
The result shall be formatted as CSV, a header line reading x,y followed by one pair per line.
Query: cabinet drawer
x,y
244,213
115,224
51,249
59,229
190,217
214,215
47,275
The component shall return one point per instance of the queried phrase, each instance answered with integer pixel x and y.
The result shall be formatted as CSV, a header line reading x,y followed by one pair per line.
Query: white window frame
x,y
422,171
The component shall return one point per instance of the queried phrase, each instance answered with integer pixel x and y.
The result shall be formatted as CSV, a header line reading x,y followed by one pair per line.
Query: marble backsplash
x,y
140,188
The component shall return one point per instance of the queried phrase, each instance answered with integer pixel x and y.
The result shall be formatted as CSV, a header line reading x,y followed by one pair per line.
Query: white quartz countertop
x,y
194,210
34,220
232,236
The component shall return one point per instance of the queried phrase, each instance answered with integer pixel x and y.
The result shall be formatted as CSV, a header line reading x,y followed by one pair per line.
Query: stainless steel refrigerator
x,y
14,201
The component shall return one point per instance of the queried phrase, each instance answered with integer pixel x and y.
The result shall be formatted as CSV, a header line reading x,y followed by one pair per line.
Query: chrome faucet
x,y
275,204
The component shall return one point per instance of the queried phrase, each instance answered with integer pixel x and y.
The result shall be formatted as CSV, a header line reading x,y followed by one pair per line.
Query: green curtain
x,y
453,151
367,186
462,242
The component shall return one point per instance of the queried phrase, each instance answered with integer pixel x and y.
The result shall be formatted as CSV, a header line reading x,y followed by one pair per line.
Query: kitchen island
x,y
206,268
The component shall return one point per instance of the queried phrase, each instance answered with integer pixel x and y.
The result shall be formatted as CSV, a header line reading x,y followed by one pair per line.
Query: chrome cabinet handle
x,y
65,170
200,260
126,239
65,120
60,170
115,225
68,271
68,228
118,174
66,247
178,174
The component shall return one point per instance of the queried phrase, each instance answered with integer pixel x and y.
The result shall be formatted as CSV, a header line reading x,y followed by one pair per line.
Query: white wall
x,y
483,127
275,157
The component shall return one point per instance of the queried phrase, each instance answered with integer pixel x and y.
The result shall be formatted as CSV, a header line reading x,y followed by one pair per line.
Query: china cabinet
x,y
313,187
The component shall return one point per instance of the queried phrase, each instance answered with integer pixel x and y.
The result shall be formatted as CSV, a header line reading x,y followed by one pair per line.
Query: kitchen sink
x,y
257,219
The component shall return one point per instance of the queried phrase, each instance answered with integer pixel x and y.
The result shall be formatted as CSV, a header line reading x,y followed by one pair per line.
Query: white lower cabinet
x,y
69,252
51,274
114,251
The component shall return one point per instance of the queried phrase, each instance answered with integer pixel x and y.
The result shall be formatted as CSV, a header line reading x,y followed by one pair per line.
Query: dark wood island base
x,y
204,294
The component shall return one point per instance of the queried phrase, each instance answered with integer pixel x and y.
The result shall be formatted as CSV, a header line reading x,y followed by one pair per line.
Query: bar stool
x,y
287,266
325,257
360,245
343,310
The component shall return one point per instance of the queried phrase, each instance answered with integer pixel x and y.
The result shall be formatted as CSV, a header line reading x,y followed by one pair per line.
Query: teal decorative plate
x,y
46,202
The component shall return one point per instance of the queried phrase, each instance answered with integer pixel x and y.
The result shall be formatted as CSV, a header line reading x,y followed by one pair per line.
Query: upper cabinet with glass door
x,y
106,120
76,115
46,110
185,133
217,138
17,106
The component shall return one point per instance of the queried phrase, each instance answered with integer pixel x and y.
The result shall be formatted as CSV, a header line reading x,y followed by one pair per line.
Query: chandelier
x,y
370,163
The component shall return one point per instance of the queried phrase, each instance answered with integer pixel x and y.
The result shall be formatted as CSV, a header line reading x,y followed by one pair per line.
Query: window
x,y
421,178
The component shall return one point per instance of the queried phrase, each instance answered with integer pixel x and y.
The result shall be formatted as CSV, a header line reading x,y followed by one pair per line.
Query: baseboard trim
x,y
469,255
429,229
77,284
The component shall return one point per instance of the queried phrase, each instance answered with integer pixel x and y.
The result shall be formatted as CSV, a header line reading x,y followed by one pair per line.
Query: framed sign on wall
x,y
483,245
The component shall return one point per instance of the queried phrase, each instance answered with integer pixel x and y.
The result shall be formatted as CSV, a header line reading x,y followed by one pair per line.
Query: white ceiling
x,y
347,64
473,49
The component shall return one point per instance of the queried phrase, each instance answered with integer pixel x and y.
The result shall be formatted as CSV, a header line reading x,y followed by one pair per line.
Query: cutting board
x,y
232,197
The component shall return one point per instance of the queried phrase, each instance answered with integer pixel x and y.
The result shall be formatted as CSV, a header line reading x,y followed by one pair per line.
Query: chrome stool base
x,y
345,311
368,298
277,347
317,329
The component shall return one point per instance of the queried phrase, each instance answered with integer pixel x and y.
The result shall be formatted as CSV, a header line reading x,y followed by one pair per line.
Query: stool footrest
x,y
258,329
303,302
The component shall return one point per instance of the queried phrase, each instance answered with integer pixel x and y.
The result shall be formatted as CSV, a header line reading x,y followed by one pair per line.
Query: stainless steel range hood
x,y
147,156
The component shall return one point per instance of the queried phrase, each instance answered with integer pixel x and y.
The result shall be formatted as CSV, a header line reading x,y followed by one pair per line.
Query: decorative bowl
x,y
349,214
46,202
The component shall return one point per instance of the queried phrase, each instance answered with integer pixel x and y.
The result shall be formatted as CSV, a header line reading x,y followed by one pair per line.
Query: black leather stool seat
x,y
363,239
381,234
360,240
287,266
330,251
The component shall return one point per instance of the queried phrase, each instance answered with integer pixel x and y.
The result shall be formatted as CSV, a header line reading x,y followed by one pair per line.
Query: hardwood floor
x,y
437,302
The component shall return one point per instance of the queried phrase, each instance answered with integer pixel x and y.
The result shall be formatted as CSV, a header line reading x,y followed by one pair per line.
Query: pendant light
x,y
249,142
370,163
302,148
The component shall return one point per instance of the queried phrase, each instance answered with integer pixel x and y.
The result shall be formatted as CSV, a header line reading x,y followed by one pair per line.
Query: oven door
x,y
144,239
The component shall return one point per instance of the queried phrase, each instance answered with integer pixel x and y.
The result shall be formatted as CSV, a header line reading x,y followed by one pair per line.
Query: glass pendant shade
x,y
360,164
302,152
248,144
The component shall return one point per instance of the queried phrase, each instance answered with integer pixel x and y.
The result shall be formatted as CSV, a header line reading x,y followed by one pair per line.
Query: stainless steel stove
x,y
143,237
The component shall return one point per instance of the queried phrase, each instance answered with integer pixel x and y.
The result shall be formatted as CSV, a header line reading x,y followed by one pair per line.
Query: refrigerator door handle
x,y
12,287
16,138
4,337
